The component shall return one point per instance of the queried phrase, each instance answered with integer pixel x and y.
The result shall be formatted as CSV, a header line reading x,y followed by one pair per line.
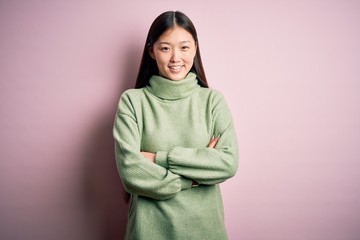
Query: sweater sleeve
x,y
207,165
138,174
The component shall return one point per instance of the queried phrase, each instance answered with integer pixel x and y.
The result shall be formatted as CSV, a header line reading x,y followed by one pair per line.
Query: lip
x,y
175,68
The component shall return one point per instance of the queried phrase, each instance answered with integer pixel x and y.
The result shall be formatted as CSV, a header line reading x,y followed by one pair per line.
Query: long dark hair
x,y
161,24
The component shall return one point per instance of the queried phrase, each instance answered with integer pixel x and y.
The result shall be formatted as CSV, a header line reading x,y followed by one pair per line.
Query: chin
x,y
176,77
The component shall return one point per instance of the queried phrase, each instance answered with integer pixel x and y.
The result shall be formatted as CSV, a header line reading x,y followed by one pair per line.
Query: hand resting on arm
x,y
152,156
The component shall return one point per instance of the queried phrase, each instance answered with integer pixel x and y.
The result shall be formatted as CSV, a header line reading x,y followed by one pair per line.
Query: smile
x,y
175,68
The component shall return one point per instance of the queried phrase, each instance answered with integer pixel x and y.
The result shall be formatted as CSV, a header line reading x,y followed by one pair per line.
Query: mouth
x,y
175,68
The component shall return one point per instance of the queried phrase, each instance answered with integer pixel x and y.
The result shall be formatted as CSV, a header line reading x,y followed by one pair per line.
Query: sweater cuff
x,y
161,159
185,183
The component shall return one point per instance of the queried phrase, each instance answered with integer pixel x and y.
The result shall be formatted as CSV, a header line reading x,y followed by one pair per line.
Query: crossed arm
x,y
152,156
163,174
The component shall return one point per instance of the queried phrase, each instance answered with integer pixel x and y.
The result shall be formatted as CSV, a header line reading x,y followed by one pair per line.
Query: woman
x,y
175,140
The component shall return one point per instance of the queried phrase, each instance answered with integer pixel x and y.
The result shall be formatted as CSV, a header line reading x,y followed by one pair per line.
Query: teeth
x,y
175,67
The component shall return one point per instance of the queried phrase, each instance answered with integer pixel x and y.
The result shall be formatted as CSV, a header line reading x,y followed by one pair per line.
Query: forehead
x,y
174,35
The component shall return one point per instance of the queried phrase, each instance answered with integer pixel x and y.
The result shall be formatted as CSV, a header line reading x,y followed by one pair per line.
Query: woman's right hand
x,y
213,141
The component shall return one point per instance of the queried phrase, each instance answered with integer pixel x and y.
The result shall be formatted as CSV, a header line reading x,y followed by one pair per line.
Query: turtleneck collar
x,y
172,90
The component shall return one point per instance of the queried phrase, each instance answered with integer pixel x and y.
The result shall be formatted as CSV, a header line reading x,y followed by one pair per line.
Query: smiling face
x,y
174,53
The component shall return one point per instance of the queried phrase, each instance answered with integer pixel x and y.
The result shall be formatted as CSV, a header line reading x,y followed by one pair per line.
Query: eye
x,y
165,49
185,47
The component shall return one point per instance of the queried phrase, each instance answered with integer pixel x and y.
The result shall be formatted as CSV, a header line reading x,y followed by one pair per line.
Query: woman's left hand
x,y
149,155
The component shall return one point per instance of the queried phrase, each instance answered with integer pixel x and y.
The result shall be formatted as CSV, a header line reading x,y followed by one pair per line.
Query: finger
x,y
212,142
216,140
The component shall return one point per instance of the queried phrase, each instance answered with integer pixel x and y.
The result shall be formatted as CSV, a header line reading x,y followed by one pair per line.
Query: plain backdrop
x,y
289,70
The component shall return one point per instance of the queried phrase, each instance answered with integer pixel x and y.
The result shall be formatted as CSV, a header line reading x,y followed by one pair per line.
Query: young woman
x,y
175,140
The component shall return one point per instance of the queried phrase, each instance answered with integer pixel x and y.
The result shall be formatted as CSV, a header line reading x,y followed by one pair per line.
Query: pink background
x,y
290,71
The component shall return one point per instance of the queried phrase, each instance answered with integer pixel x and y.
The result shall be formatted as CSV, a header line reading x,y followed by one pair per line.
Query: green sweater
x,y
175,120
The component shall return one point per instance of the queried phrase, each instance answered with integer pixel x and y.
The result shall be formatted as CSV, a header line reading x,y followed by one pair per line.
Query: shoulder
x,y
211,94
216,102
132,93
129,98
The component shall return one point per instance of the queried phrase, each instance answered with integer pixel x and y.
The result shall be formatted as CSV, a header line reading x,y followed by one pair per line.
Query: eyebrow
x,y
187,41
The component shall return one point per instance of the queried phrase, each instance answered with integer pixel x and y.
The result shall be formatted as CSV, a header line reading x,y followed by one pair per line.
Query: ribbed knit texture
x,y
175,120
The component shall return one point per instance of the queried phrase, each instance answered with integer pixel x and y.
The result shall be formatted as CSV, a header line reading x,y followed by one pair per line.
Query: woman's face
x,y
174,53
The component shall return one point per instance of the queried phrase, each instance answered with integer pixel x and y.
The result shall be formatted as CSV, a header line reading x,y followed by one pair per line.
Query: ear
x,y
151,51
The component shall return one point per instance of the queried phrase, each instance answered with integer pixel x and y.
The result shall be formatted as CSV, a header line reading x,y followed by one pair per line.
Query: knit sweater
x,y
175,120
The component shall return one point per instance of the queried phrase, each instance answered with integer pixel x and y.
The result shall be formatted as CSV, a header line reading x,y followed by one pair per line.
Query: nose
x,y
175,56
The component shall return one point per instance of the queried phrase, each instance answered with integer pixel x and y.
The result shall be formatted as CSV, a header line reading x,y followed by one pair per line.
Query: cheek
x,y
161,59
190,59
192,56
